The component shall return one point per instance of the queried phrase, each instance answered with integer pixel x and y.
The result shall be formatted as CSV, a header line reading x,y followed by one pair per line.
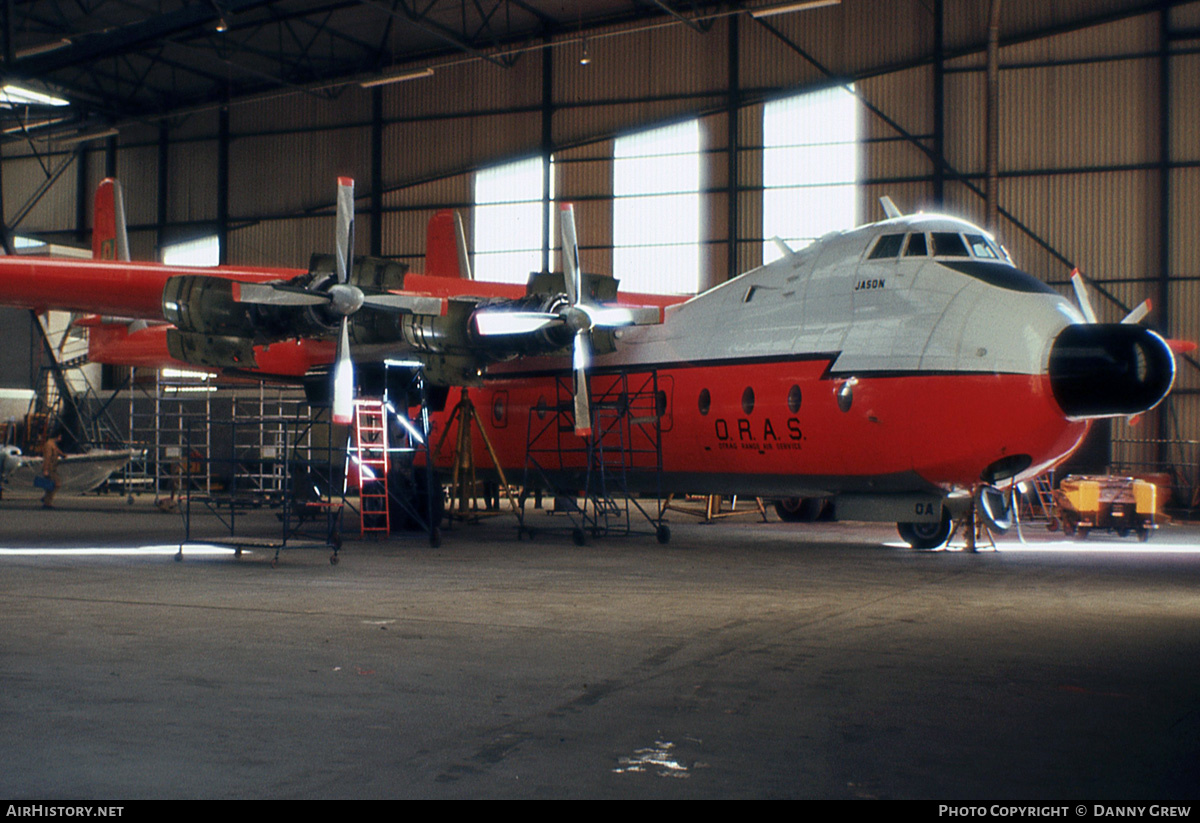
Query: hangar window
x,y
201,251
656,210
810,167
508,220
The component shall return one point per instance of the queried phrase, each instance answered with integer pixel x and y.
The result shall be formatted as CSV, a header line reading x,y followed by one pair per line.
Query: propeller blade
x,y
1085,304
405,303
499,323
571,274
276,295
616,316
583,412
343,379
1139,313
344,250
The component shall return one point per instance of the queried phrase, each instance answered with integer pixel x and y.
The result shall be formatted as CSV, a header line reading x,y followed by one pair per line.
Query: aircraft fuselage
x,y
908,356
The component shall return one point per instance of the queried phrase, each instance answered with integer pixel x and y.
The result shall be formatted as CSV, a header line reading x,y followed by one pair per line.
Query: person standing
x,y
51,454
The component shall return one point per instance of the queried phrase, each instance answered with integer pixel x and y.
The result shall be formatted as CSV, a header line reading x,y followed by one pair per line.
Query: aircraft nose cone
x,y
1109,370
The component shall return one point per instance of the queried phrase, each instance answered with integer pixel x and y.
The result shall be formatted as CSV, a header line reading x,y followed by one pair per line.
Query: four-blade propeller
x,y
341,298
576,315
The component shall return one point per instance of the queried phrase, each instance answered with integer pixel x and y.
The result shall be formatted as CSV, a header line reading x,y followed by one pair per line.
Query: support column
x,y
1162,302
164,170
939,104
733,136
376,172
547,148
81,194
993,119
223,184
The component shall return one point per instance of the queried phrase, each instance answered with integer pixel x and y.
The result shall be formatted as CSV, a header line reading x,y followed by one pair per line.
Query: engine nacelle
x,y
213,329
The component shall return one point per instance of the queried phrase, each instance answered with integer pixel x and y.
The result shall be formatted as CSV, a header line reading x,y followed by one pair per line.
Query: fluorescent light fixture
x,y
184,374
788,8
11,95
397,78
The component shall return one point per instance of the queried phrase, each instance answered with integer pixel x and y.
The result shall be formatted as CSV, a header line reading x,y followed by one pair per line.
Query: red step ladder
x,y
370,454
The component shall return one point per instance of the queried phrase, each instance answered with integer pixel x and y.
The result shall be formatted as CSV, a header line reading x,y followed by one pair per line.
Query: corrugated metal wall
x,y
1082,131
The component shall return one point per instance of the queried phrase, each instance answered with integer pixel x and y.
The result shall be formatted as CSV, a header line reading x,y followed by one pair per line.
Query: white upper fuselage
x,y
921,293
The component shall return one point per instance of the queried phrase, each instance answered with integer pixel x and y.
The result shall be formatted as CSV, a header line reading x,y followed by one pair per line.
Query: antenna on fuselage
x,y
783,247
889,208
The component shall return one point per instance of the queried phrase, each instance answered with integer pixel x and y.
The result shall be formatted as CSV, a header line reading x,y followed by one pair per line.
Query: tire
x,y
799,509
926,536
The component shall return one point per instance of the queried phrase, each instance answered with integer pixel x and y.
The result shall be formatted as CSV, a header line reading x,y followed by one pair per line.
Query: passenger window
x,y
888,246
949,244
980,247
916,246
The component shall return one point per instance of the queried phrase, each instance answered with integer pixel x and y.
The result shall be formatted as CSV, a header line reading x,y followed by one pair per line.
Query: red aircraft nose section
x,y
1109,370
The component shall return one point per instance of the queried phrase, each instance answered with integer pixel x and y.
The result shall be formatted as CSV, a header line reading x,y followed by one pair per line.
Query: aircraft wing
x,y
104,287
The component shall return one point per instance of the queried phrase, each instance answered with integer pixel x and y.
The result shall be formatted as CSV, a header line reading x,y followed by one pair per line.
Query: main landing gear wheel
x,y
663,533
799,509
926,536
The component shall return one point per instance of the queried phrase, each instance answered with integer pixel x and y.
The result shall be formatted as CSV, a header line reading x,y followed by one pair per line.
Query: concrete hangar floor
x,y
742,659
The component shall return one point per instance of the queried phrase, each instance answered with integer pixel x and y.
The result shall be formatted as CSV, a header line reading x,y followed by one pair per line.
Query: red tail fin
x,y
445,250
110,241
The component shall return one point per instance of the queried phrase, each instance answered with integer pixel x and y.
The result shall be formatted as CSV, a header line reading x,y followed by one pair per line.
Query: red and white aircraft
x,y
894,368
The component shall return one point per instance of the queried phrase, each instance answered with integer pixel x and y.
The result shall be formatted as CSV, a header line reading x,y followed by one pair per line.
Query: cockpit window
x,y
981,248
916,246
888,246
949,244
